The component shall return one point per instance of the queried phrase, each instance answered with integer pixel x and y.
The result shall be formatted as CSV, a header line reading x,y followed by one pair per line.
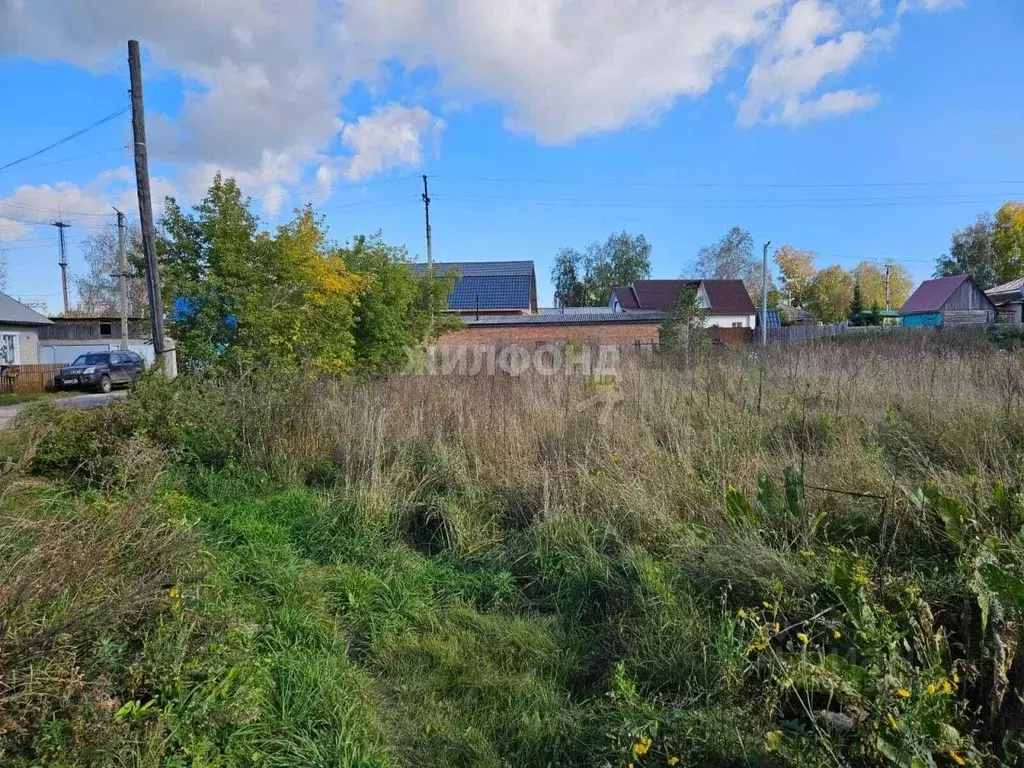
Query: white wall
x,y
27,343
726,321
51,352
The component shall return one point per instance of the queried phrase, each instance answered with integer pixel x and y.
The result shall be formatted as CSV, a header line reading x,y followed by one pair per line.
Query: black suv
x,y
100,370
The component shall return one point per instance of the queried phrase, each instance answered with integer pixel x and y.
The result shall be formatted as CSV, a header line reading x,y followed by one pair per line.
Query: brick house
x,y
19,332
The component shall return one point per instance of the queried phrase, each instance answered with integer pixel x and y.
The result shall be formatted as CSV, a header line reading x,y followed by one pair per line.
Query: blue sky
x,y
860,129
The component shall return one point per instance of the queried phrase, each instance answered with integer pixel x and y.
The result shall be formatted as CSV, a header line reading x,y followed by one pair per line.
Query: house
x,y
489,287
68,337
948,302
726,302
19,332
1009,300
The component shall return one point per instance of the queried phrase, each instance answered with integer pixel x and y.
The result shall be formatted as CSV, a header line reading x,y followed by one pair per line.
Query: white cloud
x,y
391,136
928,5
264,80
13,230
809,47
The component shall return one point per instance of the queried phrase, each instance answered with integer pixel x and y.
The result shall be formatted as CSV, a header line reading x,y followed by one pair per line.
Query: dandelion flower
x,y
893,722
741,613
803,638
672,760
957,757
903,693
836,634
930,690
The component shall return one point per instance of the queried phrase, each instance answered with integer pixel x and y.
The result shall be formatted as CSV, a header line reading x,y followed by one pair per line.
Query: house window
x,y
9,349
737,325
106,329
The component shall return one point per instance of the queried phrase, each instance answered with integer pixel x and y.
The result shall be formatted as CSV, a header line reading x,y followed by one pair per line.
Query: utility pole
x,y
122,274
887,267
764,294
63,263
156,309
426,211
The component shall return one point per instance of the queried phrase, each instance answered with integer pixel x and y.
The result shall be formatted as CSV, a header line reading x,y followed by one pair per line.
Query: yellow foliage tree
x,y
830,294
871,277
797,270
1008,242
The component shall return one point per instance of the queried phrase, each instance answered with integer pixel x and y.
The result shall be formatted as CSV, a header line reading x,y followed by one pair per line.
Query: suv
x,y
100,370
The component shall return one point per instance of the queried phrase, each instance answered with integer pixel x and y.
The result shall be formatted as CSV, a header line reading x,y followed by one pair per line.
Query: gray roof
x,y
571,319
15,313
575,311
488,284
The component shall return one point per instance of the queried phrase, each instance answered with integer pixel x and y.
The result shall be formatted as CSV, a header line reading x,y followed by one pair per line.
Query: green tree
x,y
856,305
395,308
796,268
249,298
587,279
570,290
971,252
831,294
683,327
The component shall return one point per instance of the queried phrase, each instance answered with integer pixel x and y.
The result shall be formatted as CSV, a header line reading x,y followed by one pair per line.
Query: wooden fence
x,y
27,379
788,333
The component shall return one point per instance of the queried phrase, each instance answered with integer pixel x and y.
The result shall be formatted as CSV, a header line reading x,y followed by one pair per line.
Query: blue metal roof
x,y
488,284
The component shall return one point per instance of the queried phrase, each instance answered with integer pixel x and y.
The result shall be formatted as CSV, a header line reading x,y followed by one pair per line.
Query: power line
x,y
726,185
51,210
719,204
69,159
66,139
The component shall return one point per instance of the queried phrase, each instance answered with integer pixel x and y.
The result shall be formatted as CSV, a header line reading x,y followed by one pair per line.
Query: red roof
x,y
931,295
727,297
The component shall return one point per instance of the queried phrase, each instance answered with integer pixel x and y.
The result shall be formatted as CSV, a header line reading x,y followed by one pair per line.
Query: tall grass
x,y
804,555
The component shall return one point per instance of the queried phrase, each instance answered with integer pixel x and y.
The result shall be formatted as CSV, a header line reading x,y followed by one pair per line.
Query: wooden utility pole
x,y
426,211
122,274
887,301
156,307
63,263
764,294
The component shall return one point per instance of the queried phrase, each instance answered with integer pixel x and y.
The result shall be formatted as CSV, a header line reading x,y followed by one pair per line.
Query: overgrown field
x,y
811,557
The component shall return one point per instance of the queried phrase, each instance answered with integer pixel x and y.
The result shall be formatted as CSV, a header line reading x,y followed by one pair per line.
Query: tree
x,y
797,270
856,305
831,294
588,279
393,312
731,258
871,278
971,252
1008,242
99,289
250,298
684,325
565,275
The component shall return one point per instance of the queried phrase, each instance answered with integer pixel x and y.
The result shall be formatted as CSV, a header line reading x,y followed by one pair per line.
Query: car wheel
x,y
105,385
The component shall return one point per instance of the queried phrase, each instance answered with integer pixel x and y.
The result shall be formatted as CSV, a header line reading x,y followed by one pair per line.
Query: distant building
x,y
948,302
1009,300
489,287
19,332
726,302
68,337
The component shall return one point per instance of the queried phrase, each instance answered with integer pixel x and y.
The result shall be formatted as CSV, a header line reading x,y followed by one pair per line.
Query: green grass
x,y
481,572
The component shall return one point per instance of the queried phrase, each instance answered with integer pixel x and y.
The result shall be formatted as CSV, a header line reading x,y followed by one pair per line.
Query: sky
x,y
858,129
